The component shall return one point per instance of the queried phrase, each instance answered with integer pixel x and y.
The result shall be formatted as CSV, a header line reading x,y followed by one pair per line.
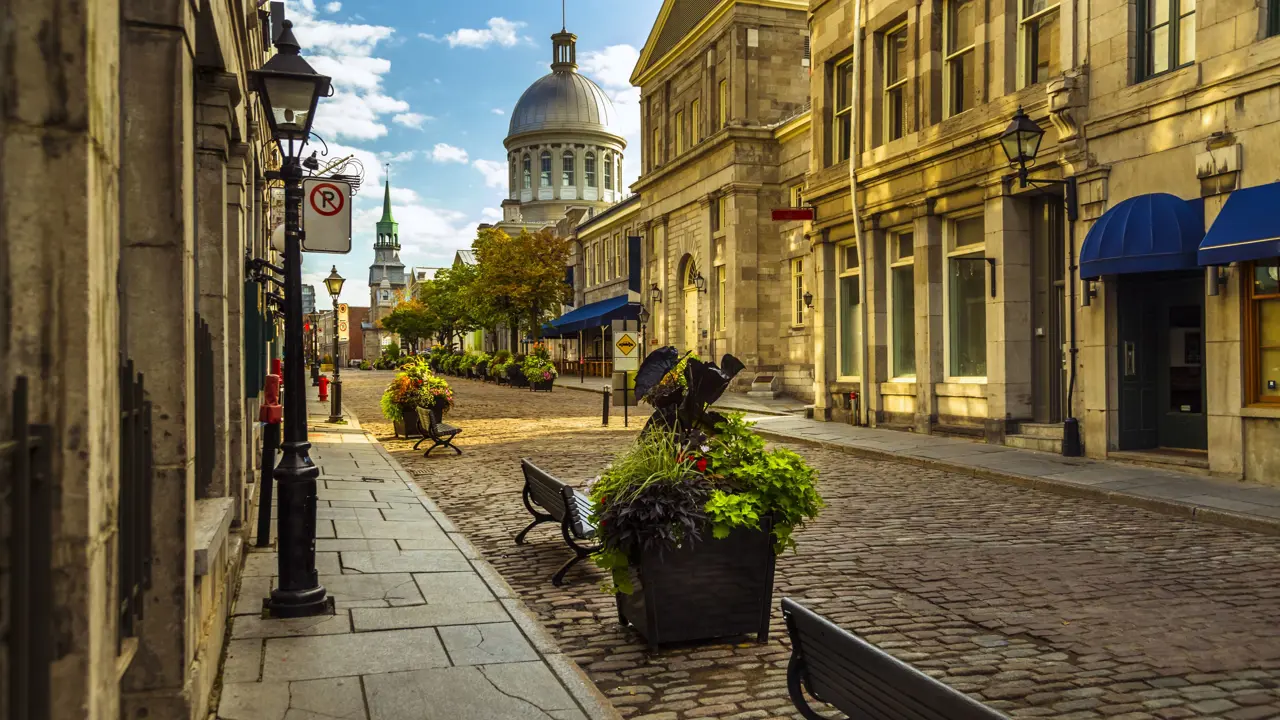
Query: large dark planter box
x,y
408,427
544,386
710,589
482,369
516,377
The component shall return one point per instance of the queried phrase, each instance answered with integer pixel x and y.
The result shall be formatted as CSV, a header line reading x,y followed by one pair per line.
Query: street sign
x,y
326,215
625,355
343,335
792,214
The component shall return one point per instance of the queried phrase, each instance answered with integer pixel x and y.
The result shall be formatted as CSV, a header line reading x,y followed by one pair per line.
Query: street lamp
x,y
808,299
644,323
312,338
289,90
334,284
1020,142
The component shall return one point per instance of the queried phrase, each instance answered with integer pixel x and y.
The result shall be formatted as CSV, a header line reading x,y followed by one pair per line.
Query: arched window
x,y
528,173
514,178
617,177
608,172
590,169
544,170
566,169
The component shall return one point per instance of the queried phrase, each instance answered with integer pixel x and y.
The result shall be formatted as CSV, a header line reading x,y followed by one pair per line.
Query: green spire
x,y
386,204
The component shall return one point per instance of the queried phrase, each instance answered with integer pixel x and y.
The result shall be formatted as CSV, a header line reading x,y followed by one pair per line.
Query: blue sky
x,y
428,85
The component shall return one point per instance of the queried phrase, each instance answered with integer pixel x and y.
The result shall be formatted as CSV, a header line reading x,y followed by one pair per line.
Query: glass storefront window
x,y
850,318
904,313
1263,336
967,299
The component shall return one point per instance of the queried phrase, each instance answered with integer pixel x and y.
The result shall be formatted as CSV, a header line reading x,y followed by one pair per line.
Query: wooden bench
x,y
561,504
861,680
435,430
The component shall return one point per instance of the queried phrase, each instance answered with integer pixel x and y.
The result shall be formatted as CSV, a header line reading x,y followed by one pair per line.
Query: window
x,y
1273,18
599,262
967,299
1167,35
528,173
797,195
1262,323
842,90
797,291
895,83
655,154
588,267
617,255
902,303
566,169
724,103
1038,28
515,177
718,214
679,131
962,78
721,323
617,175
849,311
695,121
544,171
610,260
608,173
589,169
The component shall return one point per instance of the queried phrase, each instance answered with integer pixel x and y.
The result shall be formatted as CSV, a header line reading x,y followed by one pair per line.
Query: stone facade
x,y
111,247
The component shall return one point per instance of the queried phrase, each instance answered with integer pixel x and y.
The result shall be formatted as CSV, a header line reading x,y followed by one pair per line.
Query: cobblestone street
x,y
1042,605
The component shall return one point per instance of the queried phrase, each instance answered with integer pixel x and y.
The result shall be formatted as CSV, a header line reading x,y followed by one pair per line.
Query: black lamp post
x,y
1021,142
290,90
334,284
644,323
313,333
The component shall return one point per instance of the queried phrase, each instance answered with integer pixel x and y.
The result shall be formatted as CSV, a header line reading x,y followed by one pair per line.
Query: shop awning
x,y
1147,233
1248,228
591,315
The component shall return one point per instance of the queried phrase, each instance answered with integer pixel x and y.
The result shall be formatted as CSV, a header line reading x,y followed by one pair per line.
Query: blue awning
x,y
591,315
1147,233
1248,228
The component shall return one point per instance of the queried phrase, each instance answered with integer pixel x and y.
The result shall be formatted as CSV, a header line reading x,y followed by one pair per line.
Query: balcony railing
x,y
25,461
134,513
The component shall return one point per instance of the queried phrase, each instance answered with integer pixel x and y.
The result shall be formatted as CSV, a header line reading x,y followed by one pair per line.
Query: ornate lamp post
x,y
289,90
334,284
644,324
1021,142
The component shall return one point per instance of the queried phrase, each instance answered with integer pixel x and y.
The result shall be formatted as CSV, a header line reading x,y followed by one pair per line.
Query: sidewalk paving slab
x,y
424,627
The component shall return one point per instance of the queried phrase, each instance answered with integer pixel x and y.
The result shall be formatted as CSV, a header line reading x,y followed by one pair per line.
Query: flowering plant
x,y
538,369
415,386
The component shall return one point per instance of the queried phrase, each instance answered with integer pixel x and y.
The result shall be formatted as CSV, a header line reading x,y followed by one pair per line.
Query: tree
x,y
523,276
446,300
409,319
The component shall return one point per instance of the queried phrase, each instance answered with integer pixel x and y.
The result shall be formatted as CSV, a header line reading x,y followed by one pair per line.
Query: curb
x,y
1163,506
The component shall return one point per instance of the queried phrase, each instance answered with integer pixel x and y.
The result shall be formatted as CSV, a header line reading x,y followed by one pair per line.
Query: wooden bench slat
x,y
561,503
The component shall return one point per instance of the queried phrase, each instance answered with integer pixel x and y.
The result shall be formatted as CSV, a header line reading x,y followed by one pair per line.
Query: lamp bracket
x,y
259,264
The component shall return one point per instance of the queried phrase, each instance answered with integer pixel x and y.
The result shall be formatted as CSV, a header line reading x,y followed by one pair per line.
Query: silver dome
x,y
562,100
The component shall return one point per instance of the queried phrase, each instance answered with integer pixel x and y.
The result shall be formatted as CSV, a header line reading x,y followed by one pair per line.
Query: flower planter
x,y
517,379
408,427
543,386
710,589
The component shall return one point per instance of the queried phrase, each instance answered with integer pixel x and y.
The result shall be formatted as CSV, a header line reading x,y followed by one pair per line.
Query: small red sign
x,y
791,214
327,199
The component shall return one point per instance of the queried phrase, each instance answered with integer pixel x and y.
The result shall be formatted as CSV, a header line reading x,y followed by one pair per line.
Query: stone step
x,y
1033,442
1050,431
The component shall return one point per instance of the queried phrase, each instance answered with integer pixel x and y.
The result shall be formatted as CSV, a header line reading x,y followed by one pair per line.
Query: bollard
x,y
608,395
270,414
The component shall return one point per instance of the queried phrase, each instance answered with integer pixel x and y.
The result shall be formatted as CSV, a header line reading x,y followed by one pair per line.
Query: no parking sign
x,y
326,215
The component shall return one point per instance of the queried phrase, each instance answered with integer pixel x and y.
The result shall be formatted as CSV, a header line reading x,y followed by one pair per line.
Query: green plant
x,y
364,365
538,369
415,386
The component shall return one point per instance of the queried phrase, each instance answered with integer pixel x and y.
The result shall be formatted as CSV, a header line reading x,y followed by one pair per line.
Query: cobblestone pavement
x,y
1041,605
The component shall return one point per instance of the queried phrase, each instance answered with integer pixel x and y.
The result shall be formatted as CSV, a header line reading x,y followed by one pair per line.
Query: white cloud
x,y
443,152
333,7
499,31
498,111
491,214
404,156
494,171
411,119
611,68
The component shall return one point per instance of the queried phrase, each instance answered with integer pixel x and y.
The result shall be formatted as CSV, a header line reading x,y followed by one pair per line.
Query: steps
x,y
1045,437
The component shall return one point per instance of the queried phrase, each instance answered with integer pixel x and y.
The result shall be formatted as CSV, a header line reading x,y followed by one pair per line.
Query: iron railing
x,y
204,408
25,461
134,511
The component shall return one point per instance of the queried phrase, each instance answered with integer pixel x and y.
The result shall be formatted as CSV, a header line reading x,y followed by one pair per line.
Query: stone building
x,y
387,279
954,302
724,115
128,293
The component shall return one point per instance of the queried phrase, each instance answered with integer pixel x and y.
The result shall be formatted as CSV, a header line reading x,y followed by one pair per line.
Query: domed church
x,y
561,153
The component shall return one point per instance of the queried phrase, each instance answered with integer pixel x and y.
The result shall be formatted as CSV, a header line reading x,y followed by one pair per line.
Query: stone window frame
x,y
599,262
695,121
1253,303
1028,25
544,169
607,160
721,323
954,252
894,260
839,145
796,265
953,57
617,171
568,169
845,250
719,216
723,104
1173,23
677,122
589,169
890,87
588,278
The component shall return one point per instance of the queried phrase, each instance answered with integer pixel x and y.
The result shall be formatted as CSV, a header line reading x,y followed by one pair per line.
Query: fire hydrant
x,y
324,388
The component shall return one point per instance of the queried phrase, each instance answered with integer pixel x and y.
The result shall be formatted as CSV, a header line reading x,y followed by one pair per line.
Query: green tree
x,y
409,319
523,276
446,301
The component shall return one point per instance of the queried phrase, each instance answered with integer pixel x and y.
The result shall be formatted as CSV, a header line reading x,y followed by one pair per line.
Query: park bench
x,y
435,430
861,680
561,504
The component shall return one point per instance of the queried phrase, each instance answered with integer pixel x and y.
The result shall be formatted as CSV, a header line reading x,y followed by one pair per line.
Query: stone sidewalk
x,y
424,629
1235,504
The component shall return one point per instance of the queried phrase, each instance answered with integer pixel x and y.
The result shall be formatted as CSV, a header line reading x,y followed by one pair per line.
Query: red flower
x,y
702,464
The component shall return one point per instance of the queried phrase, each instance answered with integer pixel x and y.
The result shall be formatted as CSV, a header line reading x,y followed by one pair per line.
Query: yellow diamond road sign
x,y
626,344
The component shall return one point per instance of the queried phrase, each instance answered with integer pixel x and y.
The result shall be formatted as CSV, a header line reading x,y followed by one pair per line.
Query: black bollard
x,y
270,444
607,398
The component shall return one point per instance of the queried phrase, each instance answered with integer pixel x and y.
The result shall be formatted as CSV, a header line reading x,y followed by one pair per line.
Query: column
x,y
741,249
825,340
1009,332
238,457
930,357
157,254
214,104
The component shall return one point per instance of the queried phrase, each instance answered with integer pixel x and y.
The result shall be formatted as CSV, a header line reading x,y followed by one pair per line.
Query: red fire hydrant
x,y
324,388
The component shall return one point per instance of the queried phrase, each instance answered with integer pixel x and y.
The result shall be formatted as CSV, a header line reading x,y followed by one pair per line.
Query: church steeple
x,y
388,228
386,204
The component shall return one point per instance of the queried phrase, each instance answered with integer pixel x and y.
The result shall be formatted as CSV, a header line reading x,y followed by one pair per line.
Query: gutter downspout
x,y
856,115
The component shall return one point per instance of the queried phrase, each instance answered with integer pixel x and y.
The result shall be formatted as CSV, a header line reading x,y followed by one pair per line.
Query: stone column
x,y
876,333
157,255
741,249
238,461
215,97
930,360
1009,332
825,340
